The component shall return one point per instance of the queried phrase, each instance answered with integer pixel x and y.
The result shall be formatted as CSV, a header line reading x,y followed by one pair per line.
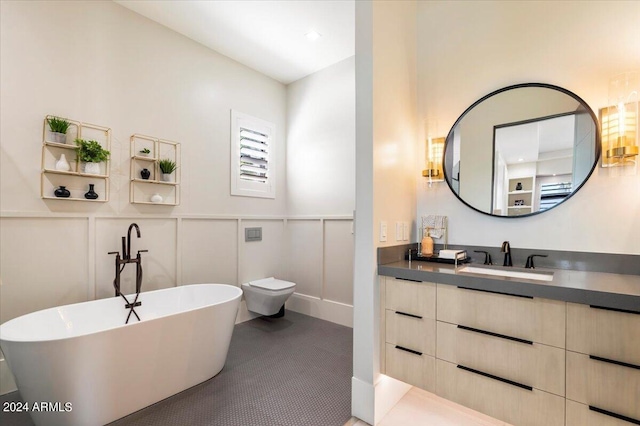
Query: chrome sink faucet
x,y
506,249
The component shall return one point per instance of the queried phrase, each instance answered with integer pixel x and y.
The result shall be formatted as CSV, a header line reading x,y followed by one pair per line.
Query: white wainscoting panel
x,y
209,251
44,263
261,259
303,259
159,236
338,261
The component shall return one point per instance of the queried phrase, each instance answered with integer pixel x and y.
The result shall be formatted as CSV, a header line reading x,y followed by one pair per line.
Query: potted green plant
x,y
58,127
91,153
167,167
144,152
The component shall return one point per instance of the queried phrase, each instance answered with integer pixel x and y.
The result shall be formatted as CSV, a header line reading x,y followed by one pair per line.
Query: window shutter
x,y
252,156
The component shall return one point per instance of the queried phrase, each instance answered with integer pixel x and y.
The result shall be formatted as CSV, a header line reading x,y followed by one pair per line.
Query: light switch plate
x,y
399,231
383,231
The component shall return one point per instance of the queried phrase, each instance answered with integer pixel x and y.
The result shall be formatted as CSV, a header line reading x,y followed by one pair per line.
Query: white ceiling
x,y
529,141
268,36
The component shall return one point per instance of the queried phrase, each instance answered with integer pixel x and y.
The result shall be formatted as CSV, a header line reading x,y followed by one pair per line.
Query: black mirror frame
x,y
598,143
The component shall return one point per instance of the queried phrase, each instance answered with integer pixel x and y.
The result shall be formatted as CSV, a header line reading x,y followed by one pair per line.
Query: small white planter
x,y
58,137
92,168
143,154
168,177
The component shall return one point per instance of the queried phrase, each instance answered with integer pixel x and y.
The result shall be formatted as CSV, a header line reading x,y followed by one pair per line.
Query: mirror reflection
x,y
521,150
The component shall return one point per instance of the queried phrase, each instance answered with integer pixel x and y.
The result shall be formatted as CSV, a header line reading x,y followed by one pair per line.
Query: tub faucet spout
x,y
506,249
127,255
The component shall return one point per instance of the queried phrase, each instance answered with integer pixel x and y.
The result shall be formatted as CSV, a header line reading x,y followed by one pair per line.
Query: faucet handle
x,y
487,257
529,263
114,252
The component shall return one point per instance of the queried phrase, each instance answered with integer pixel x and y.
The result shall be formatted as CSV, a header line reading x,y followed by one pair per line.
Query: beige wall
x,y
151,80
321,181
100,63
469,49
385,144
321,138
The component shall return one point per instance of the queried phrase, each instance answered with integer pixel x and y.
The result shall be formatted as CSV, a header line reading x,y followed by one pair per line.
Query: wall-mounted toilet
x,y
267,296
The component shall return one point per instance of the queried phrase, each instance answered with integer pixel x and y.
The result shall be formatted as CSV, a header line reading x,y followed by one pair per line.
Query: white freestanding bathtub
x,y
81,365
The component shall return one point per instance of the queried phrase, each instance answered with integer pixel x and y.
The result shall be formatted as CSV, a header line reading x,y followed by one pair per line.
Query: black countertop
x,y
608,290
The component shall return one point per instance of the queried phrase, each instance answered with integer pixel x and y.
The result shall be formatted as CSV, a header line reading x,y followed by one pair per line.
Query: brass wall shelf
x,y
75,179
141,190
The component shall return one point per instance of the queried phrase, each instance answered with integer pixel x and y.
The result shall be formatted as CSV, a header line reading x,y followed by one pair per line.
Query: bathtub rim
x,y
13,340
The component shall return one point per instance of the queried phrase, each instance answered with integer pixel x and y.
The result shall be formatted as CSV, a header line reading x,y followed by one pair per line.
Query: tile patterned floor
x,y
289,371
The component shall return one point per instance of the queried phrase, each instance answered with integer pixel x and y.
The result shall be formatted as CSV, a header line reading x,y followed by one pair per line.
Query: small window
x,y
252,156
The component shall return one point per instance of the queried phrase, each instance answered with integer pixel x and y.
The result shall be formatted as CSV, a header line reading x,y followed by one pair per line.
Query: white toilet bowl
x,y
267,296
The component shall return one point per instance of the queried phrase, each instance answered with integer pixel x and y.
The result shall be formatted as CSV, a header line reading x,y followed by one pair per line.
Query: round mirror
x,y
521,150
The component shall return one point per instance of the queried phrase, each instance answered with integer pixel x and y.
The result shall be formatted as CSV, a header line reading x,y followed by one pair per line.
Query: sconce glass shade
x,y
619,122
434,152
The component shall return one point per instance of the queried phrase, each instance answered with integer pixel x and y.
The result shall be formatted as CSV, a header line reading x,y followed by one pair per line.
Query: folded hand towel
x,y
452,254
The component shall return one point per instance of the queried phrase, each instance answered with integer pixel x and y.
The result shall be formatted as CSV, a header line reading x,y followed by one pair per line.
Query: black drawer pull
x,y
491,376
408,350
496,292
488,333
615,415
408,315
407,279
604,308
611,361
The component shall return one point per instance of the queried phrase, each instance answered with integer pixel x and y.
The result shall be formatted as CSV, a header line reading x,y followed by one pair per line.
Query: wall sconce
x,y
434,153
619,123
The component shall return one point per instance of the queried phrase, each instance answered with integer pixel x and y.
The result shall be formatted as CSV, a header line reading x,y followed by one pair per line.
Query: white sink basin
x,y
507,272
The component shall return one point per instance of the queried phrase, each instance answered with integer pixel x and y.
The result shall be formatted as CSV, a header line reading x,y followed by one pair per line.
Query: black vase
x,y
519,186
145,173
62,192
91,194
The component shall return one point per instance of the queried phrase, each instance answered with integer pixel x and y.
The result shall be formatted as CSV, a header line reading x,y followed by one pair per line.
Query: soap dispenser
x,y
427,244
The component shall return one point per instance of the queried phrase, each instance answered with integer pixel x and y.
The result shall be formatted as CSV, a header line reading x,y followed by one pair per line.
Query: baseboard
x,y
7,383
362,400
327,310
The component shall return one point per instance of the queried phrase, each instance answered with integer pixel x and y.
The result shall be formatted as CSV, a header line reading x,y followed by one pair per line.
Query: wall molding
x,y
318,307
310,305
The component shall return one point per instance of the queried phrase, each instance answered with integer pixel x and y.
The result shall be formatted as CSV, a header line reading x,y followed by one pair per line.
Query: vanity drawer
x,y
539,366
605,333
410,297
581,415
604,385
506,402
534,319
411,332
416,369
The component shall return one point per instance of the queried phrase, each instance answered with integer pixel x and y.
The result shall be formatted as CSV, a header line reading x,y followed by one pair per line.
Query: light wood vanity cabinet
x,y
603,332
525,361
533,319
603,366
532,364
502,355
512,404
410,332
